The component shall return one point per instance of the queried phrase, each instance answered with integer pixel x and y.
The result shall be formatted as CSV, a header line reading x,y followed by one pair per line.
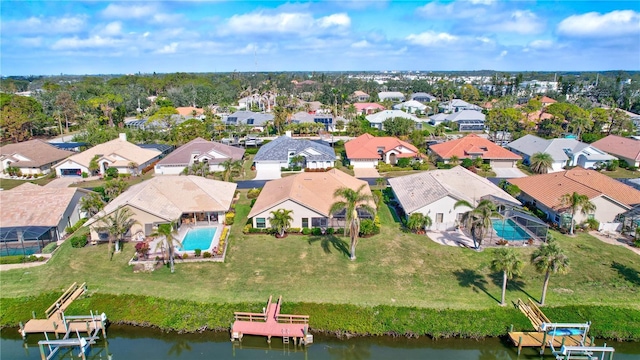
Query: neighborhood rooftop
x,y
470,146
198,146
279,149
557,148
366,146
620,146
119,151
32,153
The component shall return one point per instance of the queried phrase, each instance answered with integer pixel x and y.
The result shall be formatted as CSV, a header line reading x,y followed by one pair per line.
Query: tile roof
x,y
33,205
472,144
418,190
278,150
531,144
366,146
243,115
360,93
466,115
390,95
35,153
381,116
314,190
547,100
170,196
410,104
620,146
188,111
548,188
220,152
114,150
367,106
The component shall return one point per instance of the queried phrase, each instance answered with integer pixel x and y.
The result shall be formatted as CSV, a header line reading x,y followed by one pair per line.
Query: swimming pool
x,y
509,230
198,238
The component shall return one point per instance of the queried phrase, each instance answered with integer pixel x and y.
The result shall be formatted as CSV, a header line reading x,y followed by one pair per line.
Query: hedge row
x,y
182,315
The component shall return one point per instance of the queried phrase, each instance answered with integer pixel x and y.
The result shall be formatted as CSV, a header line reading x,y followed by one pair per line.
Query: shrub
x,y
251,151
592,224
76,226
12,259
206,255
467,163
404,162
485,167
142,248
197,252
316,231
330,231
613,165
368,227
229,218
623,164
441,165
253,202
85,175
111,173
185,256
48,249
253,193
293,230
247,229
306,231
78,241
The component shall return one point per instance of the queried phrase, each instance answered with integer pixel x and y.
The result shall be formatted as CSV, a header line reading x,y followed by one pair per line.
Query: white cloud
x,y
503,53
361,44
299,23
519,22
541,44
482,2
41,25
430,38
129,11
593,24
111,29
75,43
168,49
31,41
454,10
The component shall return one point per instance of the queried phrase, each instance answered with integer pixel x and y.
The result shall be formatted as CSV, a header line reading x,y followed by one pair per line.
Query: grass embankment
x,y
450,290
7,184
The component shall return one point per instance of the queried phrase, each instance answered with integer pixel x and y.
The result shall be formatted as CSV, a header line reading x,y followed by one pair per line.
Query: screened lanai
x,y
630,220
25,240
516,223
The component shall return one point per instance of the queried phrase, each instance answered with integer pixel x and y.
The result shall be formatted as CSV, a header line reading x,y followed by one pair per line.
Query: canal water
x,y
141,343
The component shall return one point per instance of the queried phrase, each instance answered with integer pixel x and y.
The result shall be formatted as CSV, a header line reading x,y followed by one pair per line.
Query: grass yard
x,y
393,268
621,173
7,184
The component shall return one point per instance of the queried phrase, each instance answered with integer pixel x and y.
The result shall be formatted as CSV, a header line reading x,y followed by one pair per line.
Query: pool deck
x,y
182,232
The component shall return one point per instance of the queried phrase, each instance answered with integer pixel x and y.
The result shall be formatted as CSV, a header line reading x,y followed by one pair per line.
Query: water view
x,y
140,343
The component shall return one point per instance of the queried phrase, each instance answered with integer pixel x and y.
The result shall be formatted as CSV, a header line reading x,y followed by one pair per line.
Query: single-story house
x,y
128,158
190,112
411,106
611,197
325,119
366,150
467,120
422,97
163,199
434,193
472,146
391,95
456,105
195,151
33,157
277,154
33,216
360,96
376,120
565,152
368,108
256,120
438,118
309,196
626,149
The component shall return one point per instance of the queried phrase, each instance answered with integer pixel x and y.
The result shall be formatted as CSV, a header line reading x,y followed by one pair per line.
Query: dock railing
x,y
245,316
292,319
63,299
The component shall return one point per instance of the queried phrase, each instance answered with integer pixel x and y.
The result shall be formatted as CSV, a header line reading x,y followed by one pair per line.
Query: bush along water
x,y
336,319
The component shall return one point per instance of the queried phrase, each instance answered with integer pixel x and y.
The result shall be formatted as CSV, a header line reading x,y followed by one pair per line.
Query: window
x,y
261,223
439,217
305,223
319,222
250,121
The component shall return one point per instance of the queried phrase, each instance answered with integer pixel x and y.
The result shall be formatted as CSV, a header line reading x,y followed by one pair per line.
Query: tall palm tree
x,y
117,224
547,259
507,261
280,220
92,204
169,233
418,222
230,167
540,162
352,201
478,219
575,202
454,160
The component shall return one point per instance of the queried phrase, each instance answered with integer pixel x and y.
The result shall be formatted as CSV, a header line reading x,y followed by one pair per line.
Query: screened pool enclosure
x,y
515,223
25,240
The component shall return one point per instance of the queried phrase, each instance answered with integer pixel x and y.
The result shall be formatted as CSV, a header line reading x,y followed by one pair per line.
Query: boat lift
x,y
584,350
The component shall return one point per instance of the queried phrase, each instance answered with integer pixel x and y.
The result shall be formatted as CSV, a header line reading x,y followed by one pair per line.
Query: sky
x,y
126,37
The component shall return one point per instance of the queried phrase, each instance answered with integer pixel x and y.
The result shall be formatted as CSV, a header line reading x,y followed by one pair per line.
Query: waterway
x,y
141,343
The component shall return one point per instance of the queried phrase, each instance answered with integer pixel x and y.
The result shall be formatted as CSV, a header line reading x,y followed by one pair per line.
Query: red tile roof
x,y
363,106
472,144
548,188
366,146
547,100
188,111
619,146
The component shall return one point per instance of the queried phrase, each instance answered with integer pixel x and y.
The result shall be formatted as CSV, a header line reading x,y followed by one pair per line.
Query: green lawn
x,y
622,173
393,268
7,184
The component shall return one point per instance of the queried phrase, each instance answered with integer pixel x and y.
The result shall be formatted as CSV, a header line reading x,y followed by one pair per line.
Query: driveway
x,y
508,173
366,173
66,181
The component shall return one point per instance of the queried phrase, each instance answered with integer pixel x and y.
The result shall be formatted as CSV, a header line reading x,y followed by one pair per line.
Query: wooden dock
x,y
542,340
271,323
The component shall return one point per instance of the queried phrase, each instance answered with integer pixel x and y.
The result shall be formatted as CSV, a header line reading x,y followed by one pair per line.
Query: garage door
x,y
267,171
502,163
70,172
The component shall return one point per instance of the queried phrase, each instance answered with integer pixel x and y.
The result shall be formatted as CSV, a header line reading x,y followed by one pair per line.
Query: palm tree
x,y
133,167
540,162
353,200
199,168
507,261
454,160
418,222
280,220
92,204
547,259
576,202
478,219
230,167
117,224
113,188
168,232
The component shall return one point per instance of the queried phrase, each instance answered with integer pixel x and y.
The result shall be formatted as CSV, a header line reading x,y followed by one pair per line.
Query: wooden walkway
x,y
542,340
533,313
272,324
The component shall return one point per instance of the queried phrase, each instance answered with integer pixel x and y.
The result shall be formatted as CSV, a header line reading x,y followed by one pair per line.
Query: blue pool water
x,y
509,230
198,238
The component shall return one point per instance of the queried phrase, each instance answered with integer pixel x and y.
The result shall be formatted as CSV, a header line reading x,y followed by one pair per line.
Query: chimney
x,y
288,133
122,136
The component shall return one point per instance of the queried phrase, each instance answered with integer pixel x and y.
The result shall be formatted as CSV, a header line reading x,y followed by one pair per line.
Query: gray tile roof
x,y
422,95
466,115
278,150
531,144
200,146
248,117
32,153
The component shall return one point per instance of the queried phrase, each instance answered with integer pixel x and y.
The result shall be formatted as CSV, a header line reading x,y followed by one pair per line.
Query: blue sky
x,y
100,37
